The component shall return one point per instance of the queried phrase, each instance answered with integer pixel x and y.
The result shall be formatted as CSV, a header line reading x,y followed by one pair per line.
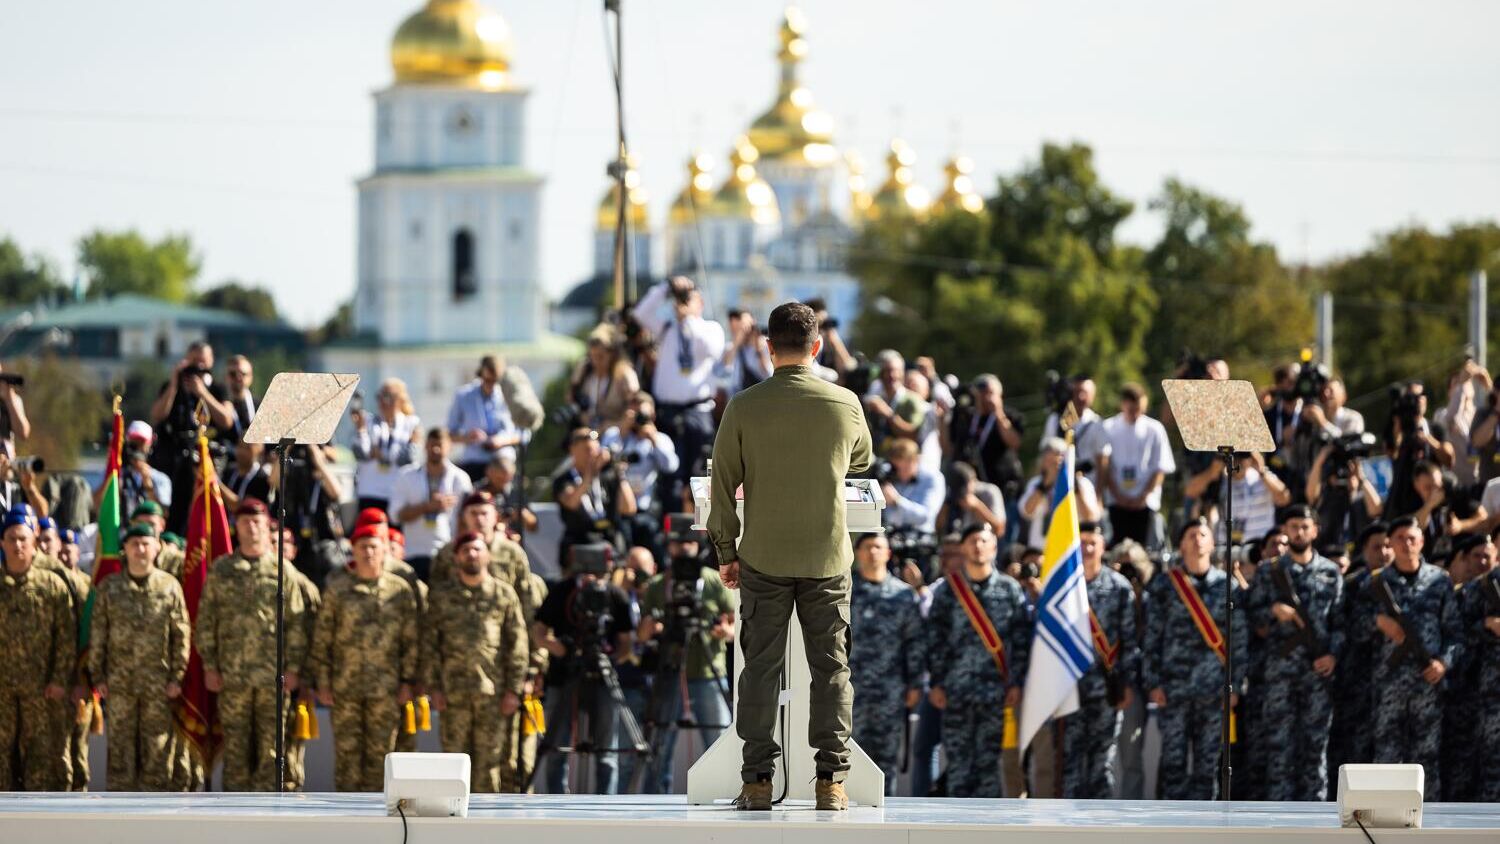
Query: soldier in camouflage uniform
x,y
885,654
1183,675
236,633
966,681
508,561
1481,611
1086,739
1350,736
532,723
312,600
171,558
406,742
1463,708
138,653
476,657
365,658
1299,653
1408,707
37,627
75,715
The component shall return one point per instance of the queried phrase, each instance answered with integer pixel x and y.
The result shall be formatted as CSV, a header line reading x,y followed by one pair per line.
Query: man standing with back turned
x,y
790,440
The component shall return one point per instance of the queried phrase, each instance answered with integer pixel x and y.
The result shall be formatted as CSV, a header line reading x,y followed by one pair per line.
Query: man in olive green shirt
x,y
790,441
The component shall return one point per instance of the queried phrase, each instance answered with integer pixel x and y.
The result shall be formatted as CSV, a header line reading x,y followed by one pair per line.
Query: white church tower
x,y
449,221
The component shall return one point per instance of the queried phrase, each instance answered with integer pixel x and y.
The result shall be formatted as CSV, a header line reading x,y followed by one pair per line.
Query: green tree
x,y
1036,282
1222,293
126,262
251,300
26,280
65,407
339,326
1400,307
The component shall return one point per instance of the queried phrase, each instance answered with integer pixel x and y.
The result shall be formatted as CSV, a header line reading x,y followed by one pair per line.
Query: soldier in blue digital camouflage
x,y
1408,614
1183,673
1473,557
972,684
1353,695
885,654
1296,611
1481,612
1086,739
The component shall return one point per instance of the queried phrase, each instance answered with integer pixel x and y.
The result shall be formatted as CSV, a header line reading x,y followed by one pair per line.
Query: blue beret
x,y
18,517
68,536
46,523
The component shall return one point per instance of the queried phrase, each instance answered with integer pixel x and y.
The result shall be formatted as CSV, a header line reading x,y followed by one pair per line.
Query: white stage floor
x,y
218,818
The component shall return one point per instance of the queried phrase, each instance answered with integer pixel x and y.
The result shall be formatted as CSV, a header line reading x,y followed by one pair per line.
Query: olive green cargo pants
x,y
822,606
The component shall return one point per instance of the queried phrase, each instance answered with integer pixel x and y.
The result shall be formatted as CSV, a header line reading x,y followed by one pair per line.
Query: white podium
x,y
716,774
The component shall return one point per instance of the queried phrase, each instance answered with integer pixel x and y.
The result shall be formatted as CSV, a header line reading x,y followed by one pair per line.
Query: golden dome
x,y
745,194
792,129
899,196
696,195
453,42
959,195
638,216
859,190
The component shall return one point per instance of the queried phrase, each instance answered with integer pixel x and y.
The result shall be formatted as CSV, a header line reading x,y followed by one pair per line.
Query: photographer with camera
x,y
984,433
833,355
646,455
14,423
688,349
1410,440
1455,420
1088,432
592,493
687,615
970,501
174,415
1336,481
1036,502
585,625
312,509
139,480
1256,492
913,495
604,383
747,361
500,481
892,410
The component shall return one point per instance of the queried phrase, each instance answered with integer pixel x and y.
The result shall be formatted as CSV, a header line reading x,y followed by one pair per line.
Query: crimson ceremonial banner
x,y
207,539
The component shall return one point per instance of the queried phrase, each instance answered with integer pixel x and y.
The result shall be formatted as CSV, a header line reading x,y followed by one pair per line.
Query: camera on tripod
x,y
1059,391
1311,379
1406,407
682,616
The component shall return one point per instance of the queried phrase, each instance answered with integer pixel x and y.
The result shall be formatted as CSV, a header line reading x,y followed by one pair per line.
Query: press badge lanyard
x,y
984,434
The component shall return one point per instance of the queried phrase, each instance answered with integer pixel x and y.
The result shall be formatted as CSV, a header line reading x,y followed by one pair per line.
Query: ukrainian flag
x,y
1062,650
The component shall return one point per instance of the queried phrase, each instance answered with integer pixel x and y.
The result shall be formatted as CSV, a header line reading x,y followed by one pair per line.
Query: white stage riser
x,y
356,819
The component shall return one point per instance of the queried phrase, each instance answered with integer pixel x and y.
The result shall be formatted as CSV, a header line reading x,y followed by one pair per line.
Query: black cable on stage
x,y
1368,836
403,820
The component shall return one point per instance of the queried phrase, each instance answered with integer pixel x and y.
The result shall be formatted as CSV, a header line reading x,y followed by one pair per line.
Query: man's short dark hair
x,y
1371,530
736,313
437,433
861,538
793,327
1132,392
1403,523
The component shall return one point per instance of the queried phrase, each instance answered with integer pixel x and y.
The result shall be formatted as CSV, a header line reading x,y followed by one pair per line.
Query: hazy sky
x,y
246,124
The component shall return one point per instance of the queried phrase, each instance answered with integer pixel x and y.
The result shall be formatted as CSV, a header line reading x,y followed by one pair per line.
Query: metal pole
x,y
284,446
1226,769
621,253
1325,329
1479,319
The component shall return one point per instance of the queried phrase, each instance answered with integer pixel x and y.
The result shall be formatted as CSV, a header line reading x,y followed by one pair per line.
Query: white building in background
x,y
449,240
779,224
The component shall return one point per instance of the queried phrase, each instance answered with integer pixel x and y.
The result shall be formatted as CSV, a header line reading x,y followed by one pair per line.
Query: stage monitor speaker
x,y
1381,796
427,785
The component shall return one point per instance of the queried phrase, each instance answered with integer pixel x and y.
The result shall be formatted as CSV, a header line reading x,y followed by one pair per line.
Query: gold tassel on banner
x,y
1234,728
534,722
96,725
424,714
409,722
302,733
312,721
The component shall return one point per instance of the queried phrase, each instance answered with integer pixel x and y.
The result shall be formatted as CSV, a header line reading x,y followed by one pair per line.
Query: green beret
x,y
147,508
173,539
140,530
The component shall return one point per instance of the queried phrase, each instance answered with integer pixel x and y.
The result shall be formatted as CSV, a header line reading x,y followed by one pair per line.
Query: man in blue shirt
x,y
913,496
480,419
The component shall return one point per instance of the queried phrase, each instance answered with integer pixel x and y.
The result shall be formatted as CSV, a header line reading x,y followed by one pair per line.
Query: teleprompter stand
x,y
1224,417
299,408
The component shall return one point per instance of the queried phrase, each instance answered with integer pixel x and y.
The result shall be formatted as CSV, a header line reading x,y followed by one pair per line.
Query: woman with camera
x,y
1036,500
604,382
385,442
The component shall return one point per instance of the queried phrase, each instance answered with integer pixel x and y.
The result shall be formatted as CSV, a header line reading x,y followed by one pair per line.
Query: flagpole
x,y
282,449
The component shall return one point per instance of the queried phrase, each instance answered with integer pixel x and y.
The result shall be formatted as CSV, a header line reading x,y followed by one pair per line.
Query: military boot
x,y
831,796
754,797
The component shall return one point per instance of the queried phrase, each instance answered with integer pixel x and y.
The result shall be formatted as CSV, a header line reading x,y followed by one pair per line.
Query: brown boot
x,y
831,796
754,797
